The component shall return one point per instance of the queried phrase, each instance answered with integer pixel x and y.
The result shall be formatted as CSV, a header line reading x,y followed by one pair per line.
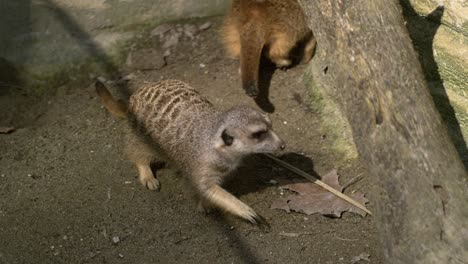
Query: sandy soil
x,y
67,191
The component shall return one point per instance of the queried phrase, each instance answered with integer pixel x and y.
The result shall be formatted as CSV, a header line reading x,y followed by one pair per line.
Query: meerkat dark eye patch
x,y
259,134
227,139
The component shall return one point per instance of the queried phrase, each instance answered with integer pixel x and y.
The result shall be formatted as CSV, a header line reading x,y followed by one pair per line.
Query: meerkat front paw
x,y
151,184
146,177
203,207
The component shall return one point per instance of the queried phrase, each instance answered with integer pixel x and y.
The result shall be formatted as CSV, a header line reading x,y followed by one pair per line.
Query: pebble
x,y
281,191
161,29
204,26
121,255
115,240
171,41
129,77
145,59
190,30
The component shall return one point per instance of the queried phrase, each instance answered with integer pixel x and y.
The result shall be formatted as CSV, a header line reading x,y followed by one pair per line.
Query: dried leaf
x,y
281,203
312,198
6,130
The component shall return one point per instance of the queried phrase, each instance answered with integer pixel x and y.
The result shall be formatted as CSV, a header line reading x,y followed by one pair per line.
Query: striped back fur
x,y
169,112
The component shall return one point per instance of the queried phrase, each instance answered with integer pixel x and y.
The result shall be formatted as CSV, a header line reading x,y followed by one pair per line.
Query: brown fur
x,y
171,121
276,25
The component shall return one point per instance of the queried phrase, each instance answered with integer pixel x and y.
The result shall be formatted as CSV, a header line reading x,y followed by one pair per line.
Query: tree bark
x,y
367,63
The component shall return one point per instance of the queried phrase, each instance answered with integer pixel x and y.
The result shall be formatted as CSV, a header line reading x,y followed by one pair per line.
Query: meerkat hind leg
x,y
147,178
142,155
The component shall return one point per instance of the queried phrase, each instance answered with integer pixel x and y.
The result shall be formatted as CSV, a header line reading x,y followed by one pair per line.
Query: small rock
x,y
145,59
166,53
273,182
101,79
33,176
161,29
91,76
204,26
129,77
171,41
121,255
115,240
362,256
190,30
202,65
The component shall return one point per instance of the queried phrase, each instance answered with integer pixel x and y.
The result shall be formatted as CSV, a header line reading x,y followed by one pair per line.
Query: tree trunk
x,y
367,63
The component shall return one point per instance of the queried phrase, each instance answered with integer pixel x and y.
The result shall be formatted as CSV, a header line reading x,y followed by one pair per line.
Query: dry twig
x,y
319,182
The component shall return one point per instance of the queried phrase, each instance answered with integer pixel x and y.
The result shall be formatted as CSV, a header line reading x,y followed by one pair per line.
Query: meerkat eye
x,y
259,134
227,139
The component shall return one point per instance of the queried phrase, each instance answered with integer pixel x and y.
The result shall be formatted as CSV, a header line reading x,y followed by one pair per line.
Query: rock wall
x,y
41,38
439,29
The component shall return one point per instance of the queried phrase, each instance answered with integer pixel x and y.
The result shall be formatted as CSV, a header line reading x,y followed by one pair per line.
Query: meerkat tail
x,y
252,42
115,107
229,203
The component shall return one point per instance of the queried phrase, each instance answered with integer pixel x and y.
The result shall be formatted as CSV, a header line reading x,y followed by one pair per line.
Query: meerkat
x,y
171,121
271,27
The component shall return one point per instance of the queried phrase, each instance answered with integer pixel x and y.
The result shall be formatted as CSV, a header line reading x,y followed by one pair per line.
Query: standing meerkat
x,y
171,121
276,25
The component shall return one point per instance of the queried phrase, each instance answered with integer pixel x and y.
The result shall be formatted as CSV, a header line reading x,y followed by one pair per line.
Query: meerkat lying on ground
x,y
272,26
171,121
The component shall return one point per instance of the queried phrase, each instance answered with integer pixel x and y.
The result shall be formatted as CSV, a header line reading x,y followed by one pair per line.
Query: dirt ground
x,y
68,194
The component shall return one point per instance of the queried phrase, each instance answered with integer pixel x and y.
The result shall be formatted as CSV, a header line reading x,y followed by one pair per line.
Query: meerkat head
x,y
245,130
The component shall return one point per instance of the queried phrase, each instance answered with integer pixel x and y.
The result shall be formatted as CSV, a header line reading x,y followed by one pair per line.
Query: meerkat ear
x,y
227,139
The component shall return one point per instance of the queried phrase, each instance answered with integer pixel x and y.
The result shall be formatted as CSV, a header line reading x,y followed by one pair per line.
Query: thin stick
x,y
319,183
346,185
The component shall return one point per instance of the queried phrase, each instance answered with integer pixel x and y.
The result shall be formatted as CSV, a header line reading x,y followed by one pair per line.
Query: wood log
x,y
366,62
